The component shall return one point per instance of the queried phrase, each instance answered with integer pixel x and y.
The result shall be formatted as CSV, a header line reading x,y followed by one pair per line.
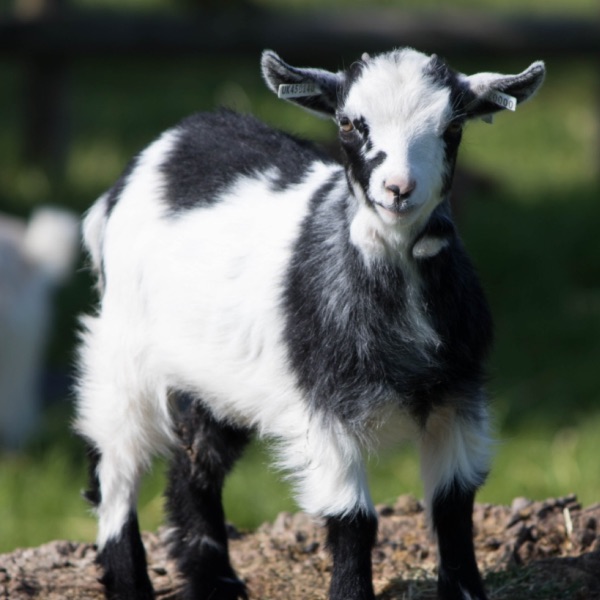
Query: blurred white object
x,y
35,258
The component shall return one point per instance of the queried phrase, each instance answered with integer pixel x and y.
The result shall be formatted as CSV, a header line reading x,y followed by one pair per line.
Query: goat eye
x,y
454,127
346,124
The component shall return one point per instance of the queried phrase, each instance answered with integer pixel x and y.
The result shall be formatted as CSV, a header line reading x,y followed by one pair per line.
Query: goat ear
x,y
314,89
492,92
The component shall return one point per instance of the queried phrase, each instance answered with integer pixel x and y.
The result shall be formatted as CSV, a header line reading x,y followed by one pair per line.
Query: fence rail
x,y
57,34
304,36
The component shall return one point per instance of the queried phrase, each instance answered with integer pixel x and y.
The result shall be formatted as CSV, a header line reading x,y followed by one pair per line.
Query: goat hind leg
x,y
121,552
116,464
208,449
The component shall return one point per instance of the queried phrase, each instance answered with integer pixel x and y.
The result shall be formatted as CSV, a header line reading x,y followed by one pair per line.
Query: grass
x,y
534,242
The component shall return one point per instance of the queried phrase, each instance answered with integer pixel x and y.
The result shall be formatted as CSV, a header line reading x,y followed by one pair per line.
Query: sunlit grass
x,y
40,496
549,143
537,463
39,499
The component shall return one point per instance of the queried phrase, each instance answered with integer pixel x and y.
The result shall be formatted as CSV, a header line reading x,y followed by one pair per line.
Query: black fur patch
x,y
458,311
349,333
117,189
351,76
452,519
440,72
198,540
451,144
440,224
215,149
92,494
350,540
123,561
444,76
354,145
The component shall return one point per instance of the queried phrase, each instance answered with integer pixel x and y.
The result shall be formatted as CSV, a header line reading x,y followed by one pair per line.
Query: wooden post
x,y
45,105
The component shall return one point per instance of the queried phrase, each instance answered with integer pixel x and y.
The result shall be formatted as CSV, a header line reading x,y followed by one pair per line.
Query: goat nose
x,y
400,188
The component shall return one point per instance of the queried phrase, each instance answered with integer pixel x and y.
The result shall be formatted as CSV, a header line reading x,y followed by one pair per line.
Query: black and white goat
x,y
249,283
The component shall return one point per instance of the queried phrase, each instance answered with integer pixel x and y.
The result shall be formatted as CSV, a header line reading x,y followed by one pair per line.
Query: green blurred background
x,y
528,210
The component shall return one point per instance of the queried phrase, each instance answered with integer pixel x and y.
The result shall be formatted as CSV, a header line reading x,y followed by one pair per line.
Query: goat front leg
x,y
458,578
350,540
455,459
325,459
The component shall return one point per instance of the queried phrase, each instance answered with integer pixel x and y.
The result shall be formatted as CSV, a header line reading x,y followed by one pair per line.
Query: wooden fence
x,y
310,35
49,39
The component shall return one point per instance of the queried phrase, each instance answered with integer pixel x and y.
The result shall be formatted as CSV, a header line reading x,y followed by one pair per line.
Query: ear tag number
x,y
298,90
502,99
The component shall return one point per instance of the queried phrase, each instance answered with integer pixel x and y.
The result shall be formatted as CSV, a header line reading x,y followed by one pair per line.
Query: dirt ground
x,y
531,550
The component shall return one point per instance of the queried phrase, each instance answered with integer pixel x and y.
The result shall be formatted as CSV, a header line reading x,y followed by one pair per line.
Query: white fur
x,y
326,463
93,235
454,447
218,336
407,114
123,407
428,247
380,241
376,238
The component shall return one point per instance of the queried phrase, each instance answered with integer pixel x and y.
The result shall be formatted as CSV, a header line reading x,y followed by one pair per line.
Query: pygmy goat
x,y
249,283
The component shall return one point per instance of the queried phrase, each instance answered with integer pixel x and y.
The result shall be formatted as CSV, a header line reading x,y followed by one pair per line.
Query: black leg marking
x,y
459,578
123,561
194,503
350,540
92,494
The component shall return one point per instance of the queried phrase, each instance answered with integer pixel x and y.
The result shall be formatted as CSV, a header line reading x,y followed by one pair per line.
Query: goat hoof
x,y
232,588
219,588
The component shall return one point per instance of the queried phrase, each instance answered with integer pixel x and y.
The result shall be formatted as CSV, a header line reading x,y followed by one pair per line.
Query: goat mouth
x,y
398,209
